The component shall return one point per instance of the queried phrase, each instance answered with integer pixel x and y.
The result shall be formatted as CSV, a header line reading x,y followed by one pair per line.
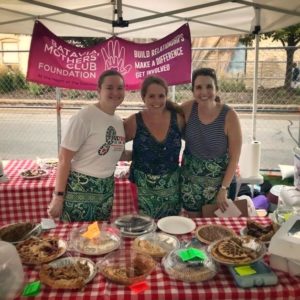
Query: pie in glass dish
x,y
68,273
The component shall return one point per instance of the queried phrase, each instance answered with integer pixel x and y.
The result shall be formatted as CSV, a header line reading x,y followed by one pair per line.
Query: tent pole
x,y
255,73
58,117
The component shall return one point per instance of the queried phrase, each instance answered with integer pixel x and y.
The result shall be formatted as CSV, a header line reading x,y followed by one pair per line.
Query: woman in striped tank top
x,y
213,144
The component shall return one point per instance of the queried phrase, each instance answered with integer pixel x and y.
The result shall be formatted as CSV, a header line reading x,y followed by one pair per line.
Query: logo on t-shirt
x,y
111,139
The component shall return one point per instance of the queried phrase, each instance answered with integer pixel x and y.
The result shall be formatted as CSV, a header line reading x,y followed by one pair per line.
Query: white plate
x,y
71,260
33,173
176,225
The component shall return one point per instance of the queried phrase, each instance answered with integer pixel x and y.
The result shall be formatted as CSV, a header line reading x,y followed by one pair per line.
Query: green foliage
x,y
91,95
289,36
37,89
232,85
6,82
11,79
73,94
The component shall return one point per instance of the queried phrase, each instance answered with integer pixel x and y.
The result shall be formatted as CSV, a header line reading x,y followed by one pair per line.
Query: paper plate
x,y
176,225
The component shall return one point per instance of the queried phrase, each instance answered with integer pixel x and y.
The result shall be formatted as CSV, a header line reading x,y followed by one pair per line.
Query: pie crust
x,y
213,232
71,276
41,250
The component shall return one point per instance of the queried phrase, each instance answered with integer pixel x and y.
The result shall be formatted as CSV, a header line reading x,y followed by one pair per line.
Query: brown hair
x,y
107,73
170,105
206,72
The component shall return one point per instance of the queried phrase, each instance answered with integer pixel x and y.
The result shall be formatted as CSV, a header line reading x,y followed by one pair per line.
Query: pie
x,y
69,276
129,273
152,249
263,233
237,250
41,250
212,232
14,233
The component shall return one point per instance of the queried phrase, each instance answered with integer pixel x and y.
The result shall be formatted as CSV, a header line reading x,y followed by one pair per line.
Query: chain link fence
x,y
28,116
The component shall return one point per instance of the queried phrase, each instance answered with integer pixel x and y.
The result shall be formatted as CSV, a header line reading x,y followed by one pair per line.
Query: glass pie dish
x,y
194,270
106,241
126,267
135,225
156,244
17,232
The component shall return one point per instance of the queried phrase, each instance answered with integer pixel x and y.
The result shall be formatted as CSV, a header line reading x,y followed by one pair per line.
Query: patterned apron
x,y
201,180
158,195
88,198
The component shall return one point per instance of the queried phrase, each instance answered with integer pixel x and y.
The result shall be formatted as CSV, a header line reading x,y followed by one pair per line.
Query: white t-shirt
x,y
98,140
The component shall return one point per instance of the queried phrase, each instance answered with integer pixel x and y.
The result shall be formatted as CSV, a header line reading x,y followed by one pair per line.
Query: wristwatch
x,y
223,187
58,193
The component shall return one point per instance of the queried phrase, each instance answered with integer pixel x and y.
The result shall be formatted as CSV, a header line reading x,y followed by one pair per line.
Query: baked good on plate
x,y
212,232
72,273
41,250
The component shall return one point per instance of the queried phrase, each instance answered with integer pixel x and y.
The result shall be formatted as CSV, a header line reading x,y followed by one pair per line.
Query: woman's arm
x,y
234,133
62,173
130,127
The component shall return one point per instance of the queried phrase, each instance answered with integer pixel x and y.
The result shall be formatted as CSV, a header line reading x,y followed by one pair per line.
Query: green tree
x,y
289,38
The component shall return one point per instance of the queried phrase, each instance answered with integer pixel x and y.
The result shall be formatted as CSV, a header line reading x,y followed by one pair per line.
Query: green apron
x,y
158,195
201,180
88,198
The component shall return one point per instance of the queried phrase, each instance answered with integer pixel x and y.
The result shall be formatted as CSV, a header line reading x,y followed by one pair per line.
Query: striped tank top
x,y
206,141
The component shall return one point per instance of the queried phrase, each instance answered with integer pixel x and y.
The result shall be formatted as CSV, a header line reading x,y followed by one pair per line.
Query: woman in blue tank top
x,y
156,135
213,144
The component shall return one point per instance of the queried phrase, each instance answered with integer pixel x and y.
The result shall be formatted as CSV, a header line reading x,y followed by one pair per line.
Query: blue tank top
x,y
206,141
154,157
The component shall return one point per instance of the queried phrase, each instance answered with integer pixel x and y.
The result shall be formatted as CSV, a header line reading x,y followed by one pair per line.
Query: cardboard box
x,y
286,241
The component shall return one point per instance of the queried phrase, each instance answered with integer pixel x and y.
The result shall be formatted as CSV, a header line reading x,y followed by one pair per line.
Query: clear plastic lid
x,y
156,244
134,223
106,241
126,266
192,270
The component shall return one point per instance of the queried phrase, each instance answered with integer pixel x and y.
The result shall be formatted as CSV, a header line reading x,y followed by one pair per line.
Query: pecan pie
x,y
212,232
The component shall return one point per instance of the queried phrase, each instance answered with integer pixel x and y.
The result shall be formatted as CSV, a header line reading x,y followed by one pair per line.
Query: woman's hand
x,y
56,206
222,199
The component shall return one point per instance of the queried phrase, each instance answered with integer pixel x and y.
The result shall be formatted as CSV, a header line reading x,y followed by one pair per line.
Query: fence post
x,y
58,117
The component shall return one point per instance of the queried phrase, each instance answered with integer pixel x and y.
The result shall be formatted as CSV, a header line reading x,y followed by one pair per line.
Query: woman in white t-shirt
x,y
91,147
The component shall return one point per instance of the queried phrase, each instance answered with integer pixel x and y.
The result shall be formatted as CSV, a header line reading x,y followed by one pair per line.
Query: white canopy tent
x,y
151,19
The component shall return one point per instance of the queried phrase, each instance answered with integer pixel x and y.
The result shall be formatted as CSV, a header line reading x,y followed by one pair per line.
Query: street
x,y
31,133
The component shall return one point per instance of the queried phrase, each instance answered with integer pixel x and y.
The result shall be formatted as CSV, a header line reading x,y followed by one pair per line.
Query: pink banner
x,y
54,62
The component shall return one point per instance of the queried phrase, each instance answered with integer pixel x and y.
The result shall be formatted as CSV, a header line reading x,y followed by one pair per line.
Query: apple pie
x,y
41,250
69,276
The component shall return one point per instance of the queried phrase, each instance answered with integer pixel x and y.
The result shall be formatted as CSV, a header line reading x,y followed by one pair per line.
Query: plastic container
x,y
126,267
156,244
107,241
263,276
135,225
188,271
11,272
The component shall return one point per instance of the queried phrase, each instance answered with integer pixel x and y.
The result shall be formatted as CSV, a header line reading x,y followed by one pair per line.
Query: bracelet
x,y
223,187
58,193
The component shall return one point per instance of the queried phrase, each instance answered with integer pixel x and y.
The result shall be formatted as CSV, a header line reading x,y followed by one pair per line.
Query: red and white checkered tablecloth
x,y
27,199
161,286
